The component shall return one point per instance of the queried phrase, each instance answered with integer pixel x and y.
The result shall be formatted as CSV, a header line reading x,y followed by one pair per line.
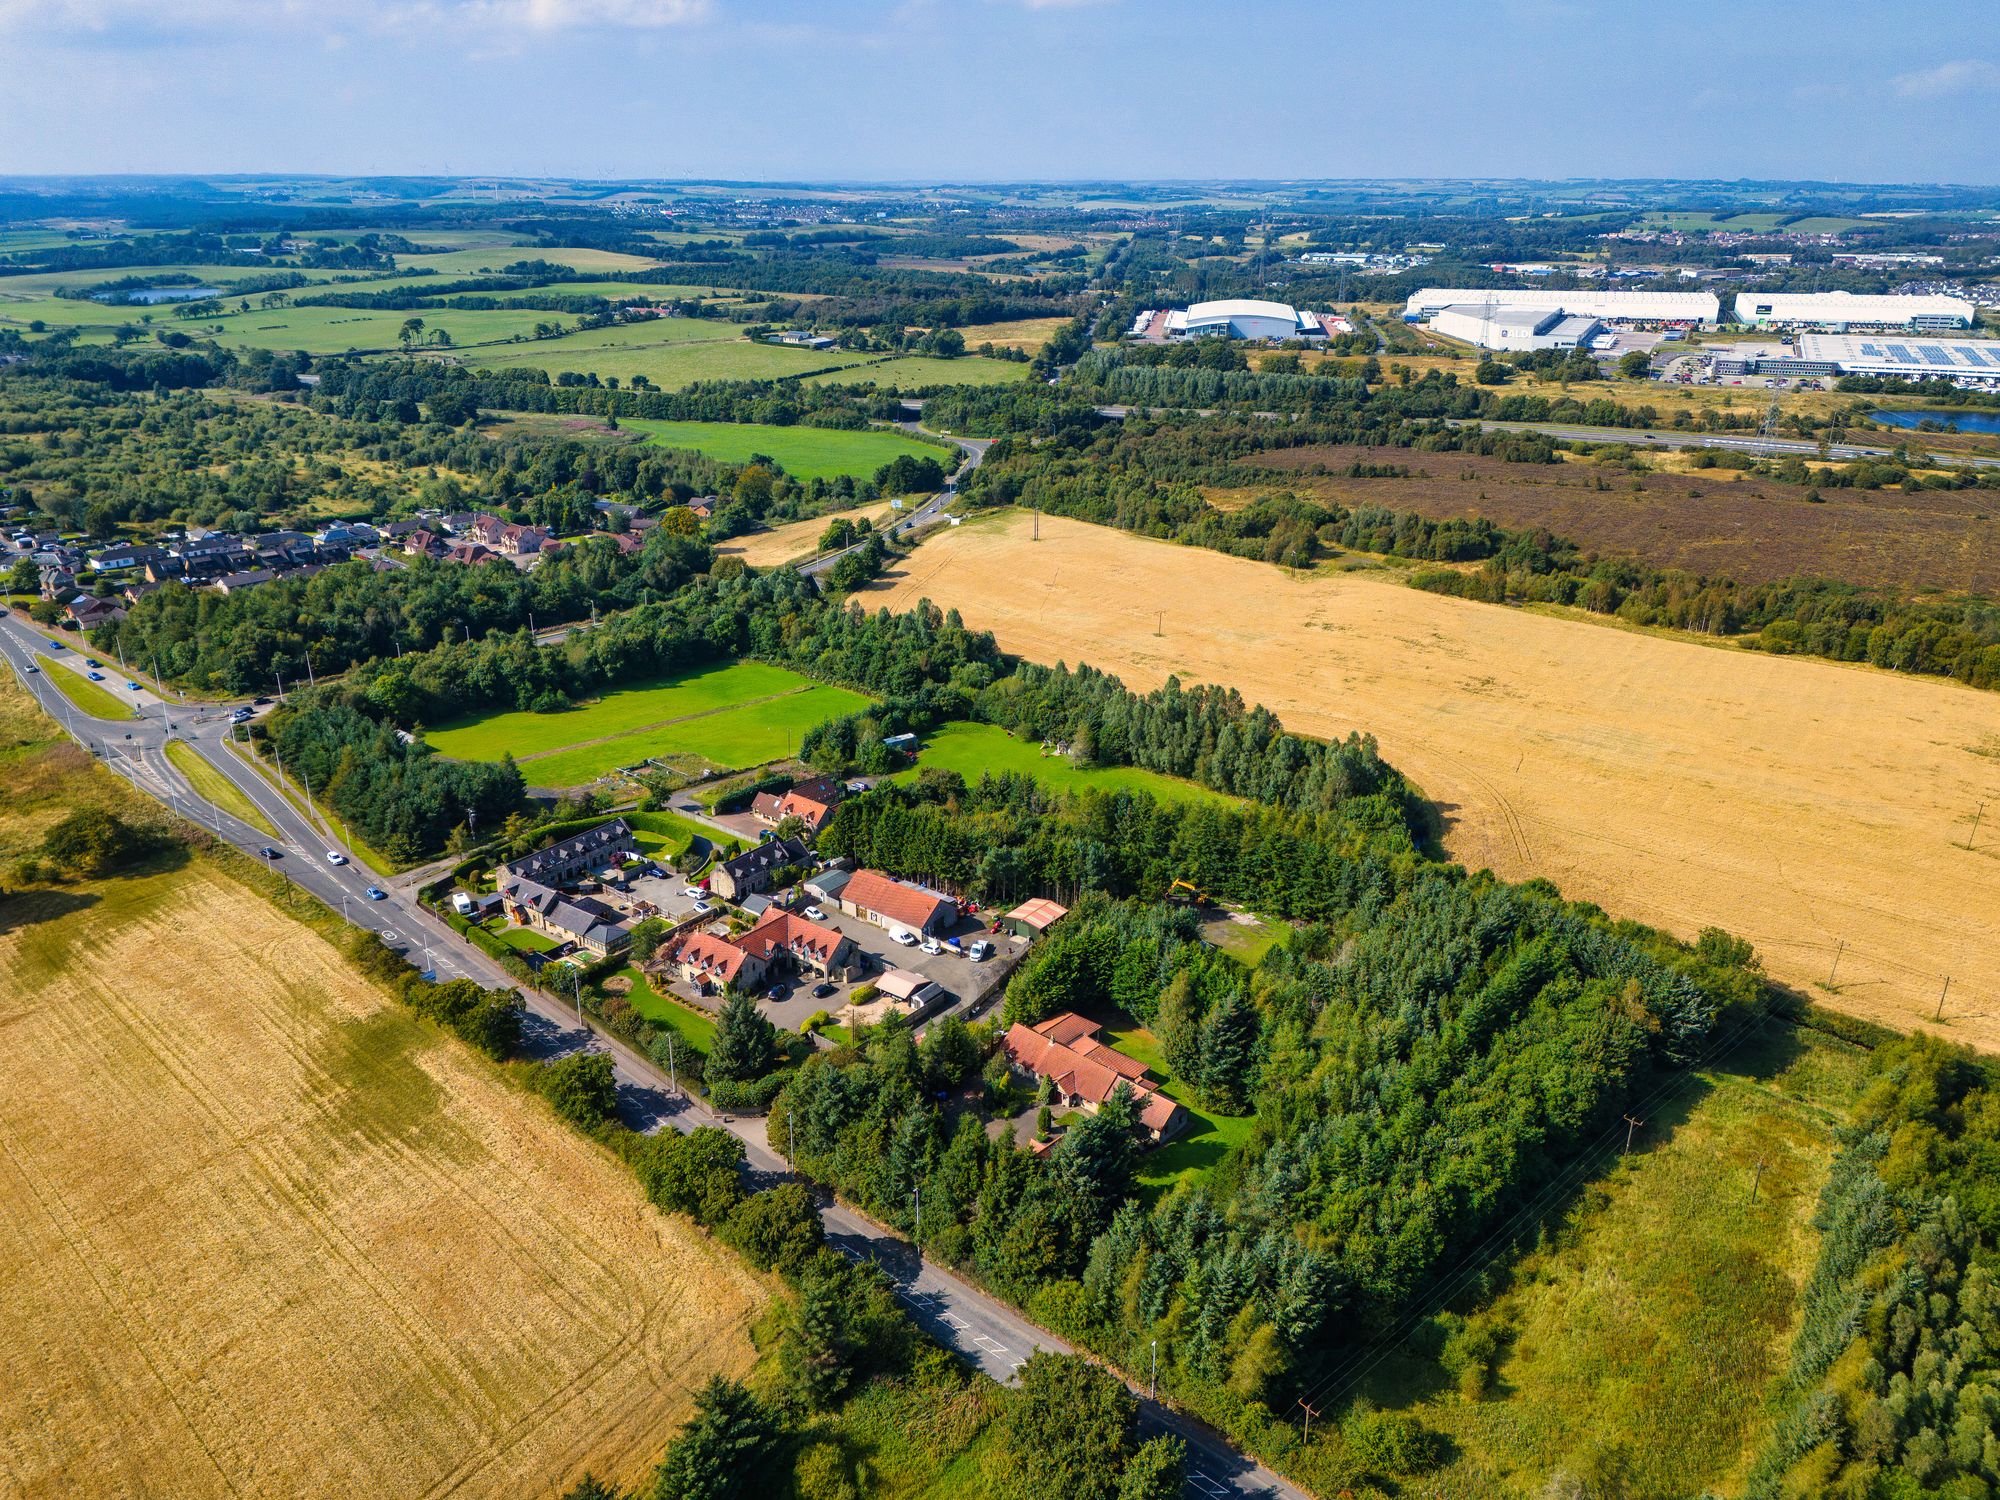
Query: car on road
x,y
335,857
267,852
376,893
97,677
260,702
814,914
132,686
33,668
239,716
55,646
823,989
907,939
91,661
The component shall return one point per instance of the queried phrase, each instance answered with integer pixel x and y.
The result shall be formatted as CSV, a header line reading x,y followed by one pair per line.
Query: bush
x,y
748,1095
1391,1442
91,841
581,1089
778,1230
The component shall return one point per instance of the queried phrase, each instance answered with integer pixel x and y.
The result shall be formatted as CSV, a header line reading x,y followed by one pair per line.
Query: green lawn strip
x,y
910,372
738,738
619,711
89,697
216,789
669,831
522,939
316,815
1202,1142
974,749
803,452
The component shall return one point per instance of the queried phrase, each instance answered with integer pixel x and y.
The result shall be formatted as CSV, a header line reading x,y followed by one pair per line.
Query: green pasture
x,y
911,372
670,352
974,750
618,712
492,257
803,452
736,737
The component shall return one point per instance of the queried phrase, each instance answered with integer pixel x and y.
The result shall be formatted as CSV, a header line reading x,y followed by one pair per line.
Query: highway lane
x,y
981,1328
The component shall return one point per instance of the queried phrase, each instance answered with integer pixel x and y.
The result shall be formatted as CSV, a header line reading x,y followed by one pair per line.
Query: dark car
x,y
267,852
777,992
260,702
822,990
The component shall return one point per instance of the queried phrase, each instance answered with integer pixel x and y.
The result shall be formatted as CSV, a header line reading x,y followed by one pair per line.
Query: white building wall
x,y
1611,306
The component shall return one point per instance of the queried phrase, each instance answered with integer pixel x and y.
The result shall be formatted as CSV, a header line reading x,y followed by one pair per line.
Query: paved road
x,y
984,1330
973,449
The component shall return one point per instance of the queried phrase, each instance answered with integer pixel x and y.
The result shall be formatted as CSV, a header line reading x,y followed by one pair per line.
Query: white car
x,y
814,914
335,857
693,892
907,939
932,945
703,906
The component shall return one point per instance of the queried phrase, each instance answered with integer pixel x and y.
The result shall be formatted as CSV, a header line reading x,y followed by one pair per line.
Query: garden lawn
x,y
693,1028
525,939
89,697
737,737
975,749
802,452
1203,1141
616,712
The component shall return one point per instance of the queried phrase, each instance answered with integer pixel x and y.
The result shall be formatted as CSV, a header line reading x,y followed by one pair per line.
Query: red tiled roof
x,y
1040,913
1065,1048
871,890
711,956
789,931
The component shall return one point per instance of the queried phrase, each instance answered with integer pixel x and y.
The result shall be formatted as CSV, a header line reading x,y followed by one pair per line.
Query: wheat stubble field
x,y
1816,809
262,1233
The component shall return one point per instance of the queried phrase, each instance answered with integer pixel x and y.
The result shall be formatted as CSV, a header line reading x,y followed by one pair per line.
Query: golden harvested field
x,y
1023,333
780,544
262,1233
1816,809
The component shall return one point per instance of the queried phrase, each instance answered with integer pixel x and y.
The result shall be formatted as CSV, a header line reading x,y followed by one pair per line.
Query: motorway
x,y
982,1329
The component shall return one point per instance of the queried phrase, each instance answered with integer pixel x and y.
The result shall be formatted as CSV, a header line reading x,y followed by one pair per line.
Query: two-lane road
x,y
981,1328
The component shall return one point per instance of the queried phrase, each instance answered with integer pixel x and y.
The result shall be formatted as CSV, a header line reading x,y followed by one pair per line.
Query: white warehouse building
x,y
1686,308
1502,326
1244,318
1839,311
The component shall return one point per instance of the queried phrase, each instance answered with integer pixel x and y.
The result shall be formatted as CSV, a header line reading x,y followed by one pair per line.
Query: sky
x,y
1000,90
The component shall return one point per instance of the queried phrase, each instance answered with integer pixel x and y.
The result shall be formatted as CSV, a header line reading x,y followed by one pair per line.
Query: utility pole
x,y
917,1195
1941,994
1837,952
1755,1181
791,1141
673,1079
576,987
1311,1412
1631,1125
1153,1380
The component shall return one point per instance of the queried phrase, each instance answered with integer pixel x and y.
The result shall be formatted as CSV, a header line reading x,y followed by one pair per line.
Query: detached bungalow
x,y
1086,1072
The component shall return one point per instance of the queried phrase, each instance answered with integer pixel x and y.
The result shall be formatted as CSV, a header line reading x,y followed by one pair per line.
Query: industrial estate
x,y
687,840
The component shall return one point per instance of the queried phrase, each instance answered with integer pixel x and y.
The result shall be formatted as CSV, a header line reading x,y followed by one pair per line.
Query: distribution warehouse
x,y
1236,318
1842,310
1611,307
1972,363
1515,328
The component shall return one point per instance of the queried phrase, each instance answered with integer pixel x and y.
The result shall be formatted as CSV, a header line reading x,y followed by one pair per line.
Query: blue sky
x,y
996,89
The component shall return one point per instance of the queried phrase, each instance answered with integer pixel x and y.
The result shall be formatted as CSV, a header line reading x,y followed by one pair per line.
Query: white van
x,y
904,936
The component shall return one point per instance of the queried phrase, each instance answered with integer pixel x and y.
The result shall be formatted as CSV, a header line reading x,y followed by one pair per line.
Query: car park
x,y
376,893
335,857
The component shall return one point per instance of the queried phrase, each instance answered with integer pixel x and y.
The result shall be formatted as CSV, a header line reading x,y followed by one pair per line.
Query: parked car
x,y
979,951
267,852
777,992
376,893
814,914
933,946
703,906
335,857
907,939
693,892
461,903
823,989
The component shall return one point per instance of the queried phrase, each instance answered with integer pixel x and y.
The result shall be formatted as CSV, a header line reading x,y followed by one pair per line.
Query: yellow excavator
x,y
1194,895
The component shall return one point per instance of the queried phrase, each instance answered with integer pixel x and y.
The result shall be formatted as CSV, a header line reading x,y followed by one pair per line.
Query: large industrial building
x,y
1673,309
1235,318
1514,328
1965,362
1839,311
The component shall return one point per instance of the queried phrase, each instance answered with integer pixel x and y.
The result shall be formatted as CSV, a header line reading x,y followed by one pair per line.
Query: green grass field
x,y
617,712
735,738
1202,1142
1639,1340
216,789
909,372
737,715
470,262
803,452
974,749
693,1028
670,352
91,698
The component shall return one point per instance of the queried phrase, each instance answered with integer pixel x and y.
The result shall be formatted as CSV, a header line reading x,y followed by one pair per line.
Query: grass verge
x,y
216,789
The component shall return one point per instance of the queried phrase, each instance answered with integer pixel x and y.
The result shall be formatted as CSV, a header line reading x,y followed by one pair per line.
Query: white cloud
x,y
556,15
1965,75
